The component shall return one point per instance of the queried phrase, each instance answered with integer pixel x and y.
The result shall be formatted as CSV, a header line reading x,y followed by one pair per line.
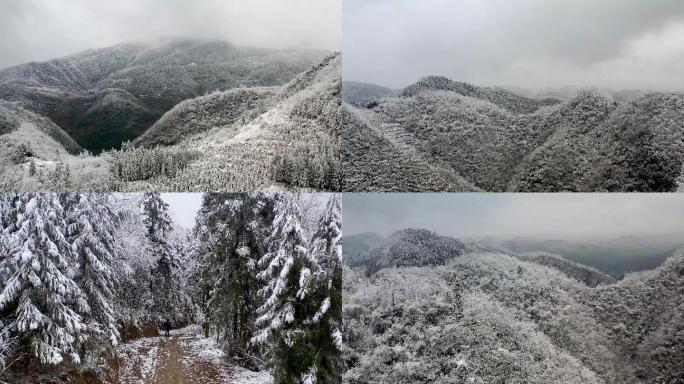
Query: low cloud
x,y
526,43
545,215
34,30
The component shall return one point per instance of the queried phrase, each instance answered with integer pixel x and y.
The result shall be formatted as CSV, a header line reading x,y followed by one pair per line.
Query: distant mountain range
x,y
103,97
443,135
420,248
613,257
488,315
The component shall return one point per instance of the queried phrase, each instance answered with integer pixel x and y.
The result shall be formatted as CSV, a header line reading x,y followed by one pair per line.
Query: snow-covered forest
x,y
488,315
182,115
438,134
91,283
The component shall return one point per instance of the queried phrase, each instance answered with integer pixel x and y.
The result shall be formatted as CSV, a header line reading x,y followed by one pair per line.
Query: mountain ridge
x,y
103,97
497,141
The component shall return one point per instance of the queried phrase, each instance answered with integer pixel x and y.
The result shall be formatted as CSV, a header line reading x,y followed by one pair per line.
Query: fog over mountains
x,y
483,314
253,114
103,97
439,134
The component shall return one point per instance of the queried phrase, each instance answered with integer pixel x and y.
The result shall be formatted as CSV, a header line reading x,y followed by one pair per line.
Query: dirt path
x,y
170,369
184,358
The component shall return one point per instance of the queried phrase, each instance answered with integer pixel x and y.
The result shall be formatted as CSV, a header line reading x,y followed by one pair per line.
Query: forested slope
x,y
255,139
103,97
242,139
487,316
500,141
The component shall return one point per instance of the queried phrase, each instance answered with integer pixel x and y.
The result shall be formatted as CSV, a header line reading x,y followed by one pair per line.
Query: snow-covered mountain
x,y
413,247
492,316
442,135
364,94
258,138
241,139
356,247
103,97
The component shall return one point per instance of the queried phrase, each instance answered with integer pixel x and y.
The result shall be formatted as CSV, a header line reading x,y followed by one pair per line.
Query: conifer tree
x,y
165,285
233,228
8,340
325,327
41,292
288,302
92,224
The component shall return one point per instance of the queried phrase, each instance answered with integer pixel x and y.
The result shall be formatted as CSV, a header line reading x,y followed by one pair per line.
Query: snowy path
x,y
185,357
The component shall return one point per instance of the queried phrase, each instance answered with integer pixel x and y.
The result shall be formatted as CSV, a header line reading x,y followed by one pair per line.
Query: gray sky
x,y
183,207
528,43
558,216
35,30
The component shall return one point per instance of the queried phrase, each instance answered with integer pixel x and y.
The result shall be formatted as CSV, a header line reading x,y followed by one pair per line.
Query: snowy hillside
x,y
257,139
438,131
103,97
413,247
243,139
35,154
356,247
491,317
585,274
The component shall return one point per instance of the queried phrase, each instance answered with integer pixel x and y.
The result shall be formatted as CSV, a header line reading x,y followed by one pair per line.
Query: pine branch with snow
x,y
42,291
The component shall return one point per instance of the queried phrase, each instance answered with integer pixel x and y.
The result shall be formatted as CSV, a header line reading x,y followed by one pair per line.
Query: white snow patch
x,y
245,376
138,356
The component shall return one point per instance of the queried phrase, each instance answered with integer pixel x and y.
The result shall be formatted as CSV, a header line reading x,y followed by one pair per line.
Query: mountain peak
x,y
414,247
440,83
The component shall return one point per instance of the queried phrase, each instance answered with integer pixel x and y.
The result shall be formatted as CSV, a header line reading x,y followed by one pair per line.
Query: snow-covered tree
x,y
232,229
7,227
164,272
7,268
288,299
42,293
325,327
92,224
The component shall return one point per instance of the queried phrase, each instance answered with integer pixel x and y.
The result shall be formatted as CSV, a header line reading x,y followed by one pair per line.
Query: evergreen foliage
x,y
165,275
41,292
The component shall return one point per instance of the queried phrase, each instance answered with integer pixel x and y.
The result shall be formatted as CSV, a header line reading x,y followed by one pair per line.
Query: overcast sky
x,y
183,207
35,30
556,216
528,43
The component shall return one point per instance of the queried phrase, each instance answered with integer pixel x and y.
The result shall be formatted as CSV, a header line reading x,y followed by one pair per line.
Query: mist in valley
x,y
616,234
570,288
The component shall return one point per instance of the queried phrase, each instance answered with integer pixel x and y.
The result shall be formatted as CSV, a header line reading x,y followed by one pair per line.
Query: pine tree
x,y
165,283
8,221
156,217
232,229
206,271
8,267
92,223
41,292
325,327
288,301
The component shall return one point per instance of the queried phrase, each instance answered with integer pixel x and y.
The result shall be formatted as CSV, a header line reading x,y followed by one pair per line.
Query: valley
x,y
187,115
441,135
485,314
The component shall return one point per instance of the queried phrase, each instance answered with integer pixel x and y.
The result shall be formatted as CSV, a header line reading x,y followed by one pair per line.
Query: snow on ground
x,y
185,357
257,127
200,350
137,360
245,376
